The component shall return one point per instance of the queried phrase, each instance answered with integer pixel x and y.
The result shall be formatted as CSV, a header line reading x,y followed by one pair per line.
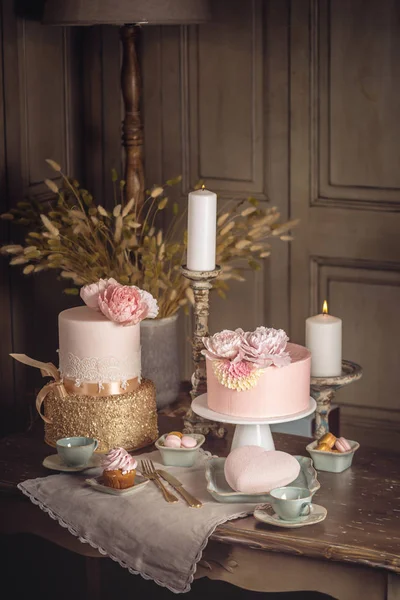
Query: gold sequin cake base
x,y
125,420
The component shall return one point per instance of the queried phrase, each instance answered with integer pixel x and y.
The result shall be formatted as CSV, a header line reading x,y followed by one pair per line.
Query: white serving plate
x,y
96,484
221,491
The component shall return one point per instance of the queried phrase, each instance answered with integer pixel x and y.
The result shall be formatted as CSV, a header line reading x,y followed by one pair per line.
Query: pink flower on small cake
x,y
266,346
239,358
123,304
225,344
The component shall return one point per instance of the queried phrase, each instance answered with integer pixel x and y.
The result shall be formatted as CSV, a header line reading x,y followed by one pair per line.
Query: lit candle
x,y
202,225
324,340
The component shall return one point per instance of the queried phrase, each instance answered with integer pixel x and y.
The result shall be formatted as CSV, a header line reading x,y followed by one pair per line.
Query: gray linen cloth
x,y
142,532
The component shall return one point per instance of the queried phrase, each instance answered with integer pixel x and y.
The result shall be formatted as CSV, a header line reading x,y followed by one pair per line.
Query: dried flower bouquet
x,y
84,242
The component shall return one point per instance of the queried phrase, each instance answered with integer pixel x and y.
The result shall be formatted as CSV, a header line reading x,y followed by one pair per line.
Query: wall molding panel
x,y
225,102
349,98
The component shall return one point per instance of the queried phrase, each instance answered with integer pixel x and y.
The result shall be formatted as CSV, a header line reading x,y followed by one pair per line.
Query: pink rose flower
x,y
266,346
90,293
123,304
225,344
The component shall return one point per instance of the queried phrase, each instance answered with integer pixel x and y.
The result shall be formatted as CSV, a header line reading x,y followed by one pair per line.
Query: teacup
x,y
76,451
291,503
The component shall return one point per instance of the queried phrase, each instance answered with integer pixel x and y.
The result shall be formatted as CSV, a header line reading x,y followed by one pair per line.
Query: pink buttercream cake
x,y
279,391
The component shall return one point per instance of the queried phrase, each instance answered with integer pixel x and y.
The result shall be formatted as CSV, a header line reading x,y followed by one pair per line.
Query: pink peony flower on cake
x,y
90,293
265,346
225,344
151,303
123,304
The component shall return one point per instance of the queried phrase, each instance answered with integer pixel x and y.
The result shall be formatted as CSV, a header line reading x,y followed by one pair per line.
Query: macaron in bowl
x,y
333,460
182,455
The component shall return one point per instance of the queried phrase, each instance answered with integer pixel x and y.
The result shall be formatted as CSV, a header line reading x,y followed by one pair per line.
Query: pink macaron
x,y
172,441
342,445
188,441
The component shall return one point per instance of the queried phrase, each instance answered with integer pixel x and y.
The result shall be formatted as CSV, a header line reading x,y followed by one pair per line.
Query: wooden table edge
x,y
273,542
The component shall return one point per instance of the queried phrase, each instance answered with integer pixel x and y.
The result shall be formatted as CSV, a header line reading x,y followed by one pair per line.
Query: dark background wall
x,y
59,99
293,101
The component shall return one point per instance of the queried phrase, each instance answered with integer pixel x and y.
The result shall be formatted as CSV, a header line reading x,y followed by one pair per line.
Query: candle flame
x,y
203,187
325,308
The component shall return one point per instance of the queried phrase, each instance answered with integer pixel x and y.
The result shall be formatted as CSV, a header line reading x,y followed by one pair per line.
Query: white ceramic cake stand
x,y
249,431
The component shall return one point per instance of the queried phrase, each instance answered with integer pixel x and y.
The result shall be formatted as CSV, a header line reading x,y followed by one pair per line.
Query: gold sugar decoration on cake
x,y
124,420
239,383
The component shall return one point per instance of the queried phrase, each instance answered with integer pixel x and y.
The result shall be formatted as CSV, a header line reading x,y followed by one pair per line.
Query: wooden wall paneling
x,y
102,101
92,137
42,109
21,288
226,101
348,245
358,95
301,113
276,154
112,109
175,85
48,123
66,108
152,104
43,90
6,367
74,98
249,304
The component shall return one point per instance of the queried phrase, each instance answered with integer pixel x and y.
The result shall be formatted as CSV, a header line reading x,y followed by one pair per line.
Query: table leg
x,y
393,587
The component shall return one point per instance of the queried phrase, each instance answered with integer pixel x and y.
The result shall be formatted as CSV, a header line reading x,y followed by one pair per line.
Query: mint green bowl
x,y
179,457
333,462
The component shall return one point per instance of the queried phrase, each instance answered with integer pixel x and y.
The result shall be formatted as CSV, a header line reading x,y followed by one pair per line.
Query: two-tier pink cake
x,y
100,368
256,374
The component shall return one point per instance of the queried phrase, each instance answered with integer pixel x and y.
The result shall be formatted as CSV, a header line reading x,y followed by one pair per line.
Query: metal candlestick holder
x,y
200,282
323,390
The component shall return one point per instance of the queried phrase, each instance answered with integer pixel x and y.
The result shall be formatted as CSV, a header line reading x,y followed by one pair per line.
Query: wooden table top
x,y
363,502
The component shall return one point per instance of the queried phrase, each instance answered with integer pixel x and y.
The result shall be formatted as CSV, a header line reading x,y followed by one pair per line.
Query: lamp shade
x,y
121,12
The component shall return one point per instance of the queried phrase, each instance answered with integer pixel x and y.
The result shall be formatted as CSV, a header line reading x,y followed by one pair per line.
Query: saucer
x,y
139,484
54,463
267,515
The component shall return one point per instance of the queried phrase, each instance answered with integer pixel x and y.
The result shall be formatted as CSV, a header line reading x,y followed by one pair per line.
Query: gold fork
x,y
147,469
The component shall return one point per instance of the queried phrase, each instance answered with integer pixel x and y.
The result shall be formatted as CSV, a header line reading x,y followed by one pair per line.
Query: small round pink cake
x,y
280,391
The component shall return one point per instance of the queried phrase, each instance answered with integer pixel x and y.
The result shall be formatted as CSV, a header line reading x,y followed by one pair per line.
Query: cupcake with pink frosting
x,y
119,469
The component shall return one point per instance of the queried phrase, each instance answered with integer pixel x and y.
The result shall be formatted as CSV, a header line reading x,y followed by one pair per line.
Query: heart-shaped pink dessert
x,y
254,470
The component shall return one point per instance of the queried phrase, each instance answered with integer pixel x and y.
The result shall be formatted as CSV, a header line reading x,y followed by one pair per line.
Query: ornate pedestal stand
x,y
200,282
323,390
249,431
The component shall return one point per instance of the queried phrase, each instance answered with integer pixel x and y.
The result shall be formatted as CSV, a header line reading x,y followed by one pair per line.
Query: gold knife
x,y
191,500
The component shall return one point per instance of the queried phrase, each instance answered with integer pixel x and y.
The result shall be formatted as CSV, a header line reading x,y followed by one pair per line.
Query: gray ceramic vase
x,y
159,341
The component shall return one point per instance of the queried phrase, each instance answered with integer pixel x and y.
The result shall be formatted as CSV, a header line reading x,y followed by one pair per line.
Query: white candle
x,y
202,225
324,340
